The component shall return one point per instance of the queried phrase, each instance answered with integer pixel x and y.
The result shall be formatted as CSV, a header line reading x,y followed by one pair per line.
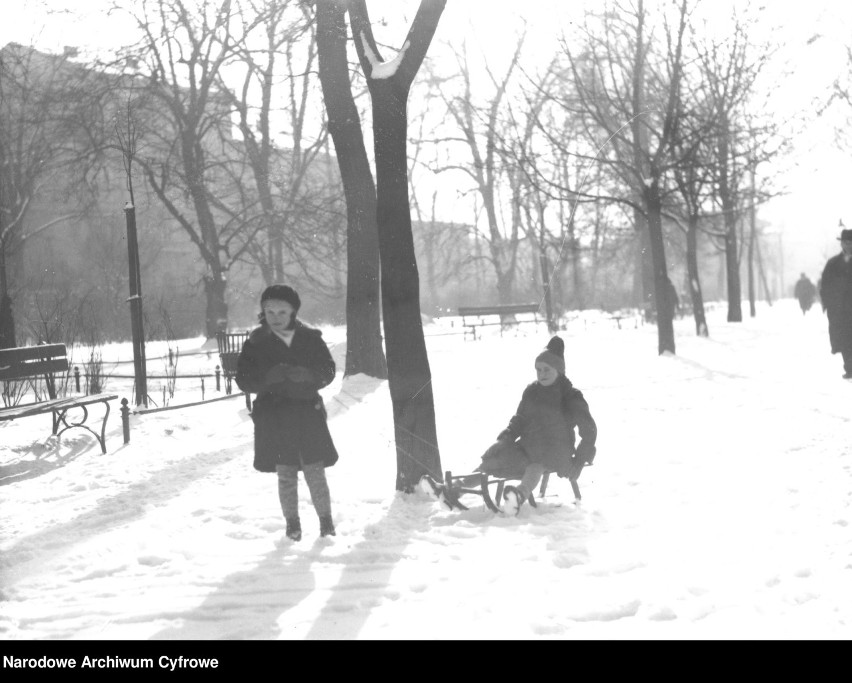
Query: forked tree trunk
x,y
409,375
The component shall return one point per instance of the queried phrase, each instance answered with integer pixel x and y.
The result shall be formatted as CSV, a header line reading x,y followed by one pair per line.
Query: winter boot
x,y
513,498
294,528
326,527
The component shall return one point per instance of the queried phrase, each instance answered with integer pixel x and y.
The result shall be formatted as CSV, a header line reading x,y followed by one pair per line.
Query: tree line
x,y
634,148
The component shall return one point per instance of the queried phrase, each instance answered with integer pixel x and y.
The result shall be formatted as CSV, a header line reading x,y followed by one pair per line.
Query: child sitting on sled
x,y
540,436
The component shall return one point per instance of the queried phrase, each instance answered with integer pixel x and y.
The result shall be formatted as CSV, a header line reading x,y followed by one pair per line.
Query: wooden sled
x,y
453,489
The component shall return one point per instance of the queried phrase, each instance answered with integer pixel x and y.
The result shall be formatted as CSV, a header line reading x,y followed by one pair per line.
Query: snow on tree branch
x,y
383,69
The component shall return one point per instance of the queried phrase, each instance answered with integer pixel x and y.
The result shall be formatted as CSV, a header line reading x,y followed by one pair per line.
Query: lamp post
x,y
7,320
135,301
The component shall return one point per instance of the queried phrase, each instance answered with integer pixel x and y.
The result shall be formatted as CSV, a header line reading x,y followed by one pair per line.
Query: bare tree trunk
x,y
763,274
732,271
665,328
645,265
751,239
215,282
732,274
364,352
7,319
408,364
644,275
539,243
545,283
409,374
217,309
695,294
574,246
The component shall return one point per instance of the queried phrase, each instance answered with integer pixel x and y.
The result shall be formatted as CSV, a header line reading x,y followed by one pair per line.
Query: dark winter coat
x,y
805,292
672,302
290,426
836,295
544,424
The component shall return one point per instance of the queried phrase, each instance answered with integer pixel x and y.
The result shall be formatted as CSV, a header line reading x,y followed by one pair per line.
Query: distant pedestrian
x,y
805,291
672,301
285,363
836,296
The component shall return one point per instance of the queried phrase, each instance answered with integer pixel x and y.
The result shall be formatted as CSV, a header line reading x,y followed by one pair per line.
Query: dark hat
x,y
554,355
281,293
845,235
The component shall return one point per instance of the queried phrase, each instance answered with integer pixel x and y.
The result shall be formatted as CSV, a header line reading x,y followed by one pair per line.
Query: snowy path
x,y
720,506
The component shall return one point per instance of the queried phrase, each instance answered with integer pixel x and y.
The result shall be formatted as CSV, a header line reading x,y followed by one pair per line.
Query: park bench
x,y
34,363
482,316
453,483
230,345
618,316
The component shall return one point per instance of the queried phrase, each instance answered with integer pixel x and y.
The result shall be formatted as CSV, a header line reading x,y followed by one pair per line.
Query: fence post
x,y
218,378
77,377
125,420
202,388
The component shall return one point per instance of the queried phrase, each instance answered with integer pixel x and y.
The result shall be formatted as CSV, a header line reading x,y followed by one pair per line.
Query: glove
x,y
298,373
494,449
281,373
571,468
586,453
276,374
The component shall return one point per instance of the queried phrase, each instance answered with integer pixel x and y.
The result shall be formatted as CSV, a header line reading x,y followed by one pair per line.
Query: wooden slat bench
x,y
454,483
32,363
230,345
482,316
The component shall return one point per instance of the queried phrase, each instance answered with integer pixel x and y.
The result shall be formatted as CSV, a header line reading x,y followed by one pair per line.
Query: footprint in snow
x,y
152,560
568,560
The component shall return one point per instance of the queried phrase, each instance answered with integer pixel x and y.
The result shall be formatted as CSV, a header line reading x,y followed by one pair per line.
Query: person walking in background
x,y
836,296
805,291
285,363
672,301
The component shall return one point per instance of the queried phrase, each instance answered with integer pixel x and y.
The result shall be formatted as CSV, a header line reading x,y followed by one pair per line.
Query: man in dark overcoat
x,y
836,295
285,363
805,291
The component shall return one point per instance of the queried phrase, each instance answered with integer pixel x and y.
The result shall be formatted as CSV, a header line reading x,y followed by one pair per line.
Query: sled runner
x,y
458,485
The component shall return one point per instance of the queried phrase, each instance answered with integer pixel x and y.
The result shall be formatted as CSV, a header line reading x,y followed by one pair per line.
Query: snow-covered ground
x,y
719,505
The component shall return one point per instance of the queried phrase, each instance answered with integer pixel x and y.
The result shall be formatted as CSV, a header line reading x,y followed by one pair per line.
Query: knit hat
x,y
281,293
554,355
